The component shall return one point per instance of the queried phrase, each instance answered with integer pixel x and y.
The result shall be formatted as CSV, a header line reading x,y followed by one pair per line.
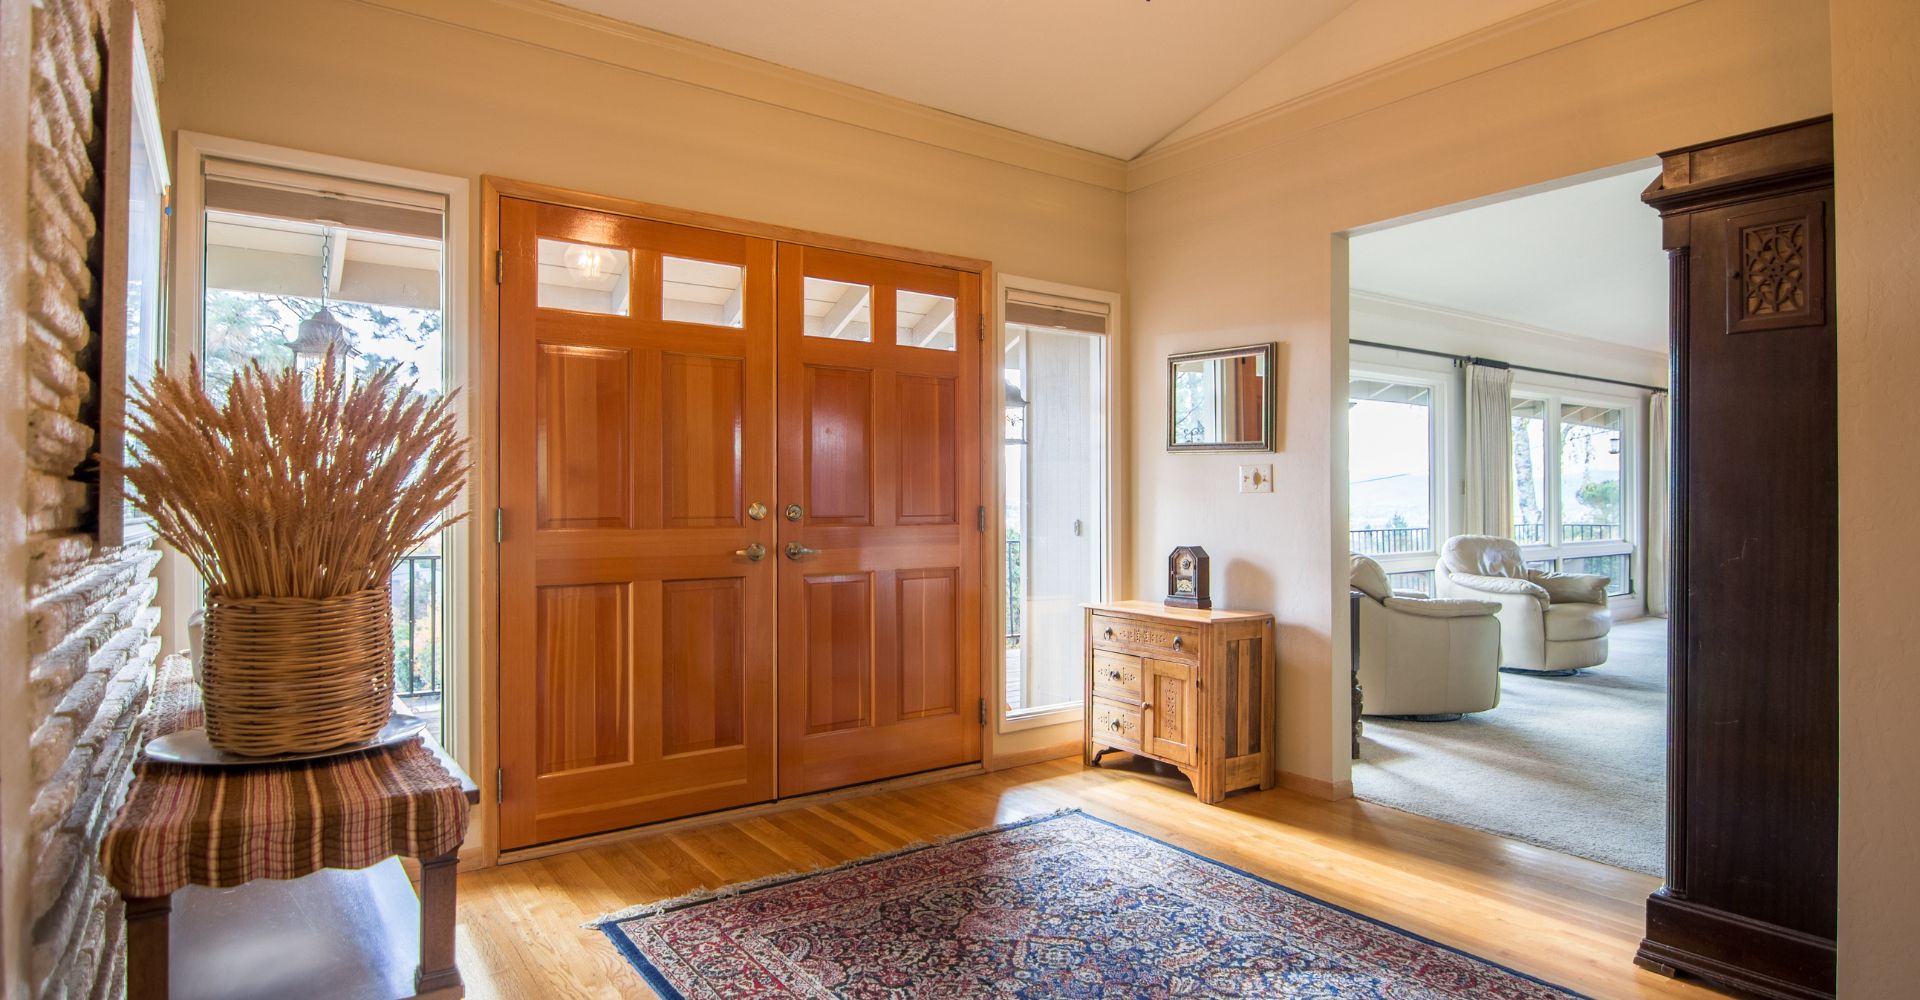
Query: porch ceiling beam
x,y
929,325
730,309
336,261
836,320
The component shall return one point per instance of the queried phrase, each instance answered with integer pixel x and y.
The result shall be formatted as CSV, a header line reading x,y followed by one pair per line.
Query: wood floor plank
x,y
1565,919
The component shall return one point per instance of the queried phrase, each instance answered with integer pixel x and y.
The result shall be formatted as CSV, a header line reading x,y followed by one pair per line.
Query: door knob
x,y
795,550
757,510
754,552
793,512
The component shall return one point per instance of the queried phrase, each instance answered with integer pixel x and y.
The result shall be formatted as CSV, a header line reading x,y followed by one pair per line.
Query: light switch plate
x,y
1256,479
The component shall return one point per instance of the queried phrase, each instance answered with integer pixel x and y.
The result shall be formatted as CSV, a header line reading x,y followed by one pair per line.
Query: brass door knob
x,y
795,550
757,510
753,553
793,512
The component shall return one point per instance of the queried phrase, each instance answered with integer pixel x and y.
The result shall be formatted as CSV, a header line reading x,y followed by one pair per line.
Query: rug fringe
x,y
740,888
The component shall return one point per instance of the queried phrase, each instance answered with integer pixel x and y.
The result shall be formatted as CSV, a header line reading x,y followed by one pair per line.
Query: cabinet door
x,y
1170,720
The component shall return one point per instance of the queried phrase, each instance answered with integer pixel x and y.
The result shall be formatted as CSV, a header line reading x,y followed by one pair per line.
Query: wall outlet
x,y
1256,479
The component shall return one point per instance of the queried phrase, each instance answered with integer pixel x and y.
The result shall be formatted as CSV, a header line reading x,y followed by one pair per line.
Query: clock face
x,y
1186,566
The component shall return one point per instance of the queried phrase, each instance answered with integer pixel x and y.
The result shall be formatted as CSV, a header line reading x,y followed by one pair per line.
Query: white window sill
x,y
1045,715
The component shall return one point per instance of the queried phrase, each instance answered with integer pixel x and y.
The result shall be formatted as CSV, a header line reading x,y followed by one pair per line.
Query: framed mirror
x,y
1221,400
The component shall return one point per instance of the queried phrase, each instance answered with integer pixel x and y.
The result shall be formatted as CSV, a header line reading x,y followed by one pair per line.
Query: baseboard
x,y
1037,755
1319,788
1760,958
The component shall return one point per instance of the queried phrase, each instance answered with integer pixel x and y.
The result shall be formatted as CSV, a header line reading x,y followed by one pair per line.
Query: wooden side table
x,y
1191,688
284,880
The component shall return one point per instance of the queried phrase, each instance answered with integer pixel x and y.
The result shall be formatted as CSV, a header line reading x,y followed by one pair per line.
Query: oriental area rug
x,y
1063,905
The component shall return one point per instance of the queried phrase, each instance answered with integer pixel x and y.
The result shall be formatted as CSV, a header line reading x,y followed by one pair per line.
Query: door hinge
x,y
499,784
499,526
983,711
499,267
980,518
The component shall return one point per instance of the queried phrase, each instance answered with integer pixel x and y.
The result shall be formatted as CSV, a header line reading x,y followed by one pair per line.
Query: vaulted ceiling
x,y
1112,76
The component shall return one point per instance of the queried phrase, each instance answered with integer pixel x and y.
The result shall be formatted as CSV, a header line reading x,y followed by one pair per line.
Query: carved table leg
x,y
438,974
147,947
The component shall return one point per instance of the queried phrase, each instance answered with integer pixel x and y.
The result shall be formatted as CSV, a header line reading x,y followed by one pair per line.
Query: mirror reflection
x,y
1221,400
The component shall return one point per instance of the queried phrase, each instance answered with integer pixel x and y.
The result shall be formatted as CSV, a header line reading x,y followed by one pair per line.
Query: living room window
x,y
1394,508
1575,485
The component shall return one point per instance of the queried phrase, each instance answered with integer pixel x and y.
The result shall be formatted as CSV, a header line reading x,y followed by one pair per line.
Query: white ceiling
x,y
1583,260
1112,76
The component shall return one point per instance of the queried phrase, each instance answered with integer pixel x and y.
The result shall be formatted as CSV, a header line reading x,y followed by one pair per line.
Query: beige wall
x,y
1876,97
1236,240
556,97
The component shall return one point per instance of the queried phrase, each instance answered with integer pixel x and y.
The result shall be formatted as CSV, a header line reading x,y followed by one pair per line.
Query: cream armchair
x,y
1549,622
1422,657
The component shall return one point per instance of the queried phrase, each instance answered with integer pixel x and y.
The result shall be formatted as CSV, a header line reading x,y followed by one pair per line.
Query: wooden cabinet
x,y
1754,656
1192,688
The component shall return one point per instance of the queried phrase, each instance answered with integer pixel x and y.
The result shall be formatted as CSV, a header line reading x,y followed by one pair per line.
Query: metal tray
x,y
189,747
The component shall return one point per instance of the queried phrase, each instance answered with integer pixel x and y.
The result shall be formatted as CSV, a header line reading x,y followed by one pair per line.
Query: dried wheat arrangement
x,y
298,485
294,499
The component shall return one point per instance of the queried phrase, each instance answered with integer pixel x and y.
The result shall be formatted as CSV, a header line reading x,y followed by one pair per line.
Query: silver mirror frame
x,y
1268,352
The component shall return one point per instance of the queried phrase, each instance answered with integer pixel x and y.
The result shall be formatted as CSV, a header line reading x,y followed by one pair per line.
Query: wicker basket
x,y
297,675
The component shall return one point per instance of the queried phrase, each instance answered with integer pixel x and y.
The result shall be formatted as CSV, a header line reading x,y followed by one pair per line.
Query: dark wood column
x,y
1753,659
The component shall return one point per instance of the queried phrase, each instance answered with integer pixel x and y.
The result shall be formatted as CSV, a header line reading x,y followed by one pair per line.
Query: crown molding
x,y
551,26
1559,338
1504,43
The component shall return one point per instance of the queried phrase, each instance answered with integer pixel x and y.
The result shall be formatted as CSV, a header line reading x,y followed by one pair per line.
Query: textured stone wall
x,y
91,613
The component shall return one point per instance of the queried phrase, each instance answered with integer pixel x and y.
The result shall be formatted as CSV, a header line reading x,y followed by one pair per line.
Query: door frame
x,y
484,688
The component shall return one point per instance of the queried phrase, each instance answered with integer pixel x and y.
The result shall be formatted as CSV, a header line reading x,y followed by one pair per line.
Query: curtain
x,y
1659,504
1489,452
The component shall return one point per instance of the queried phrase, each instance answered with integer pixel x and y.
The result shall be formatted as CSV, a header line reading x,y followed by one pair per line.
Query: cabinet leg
x,y
438,973
147,973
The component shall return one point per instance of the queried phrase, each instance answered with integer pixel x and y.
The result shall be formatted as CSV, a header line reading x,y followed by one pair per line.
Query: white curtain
x,y
1659,504
1489,452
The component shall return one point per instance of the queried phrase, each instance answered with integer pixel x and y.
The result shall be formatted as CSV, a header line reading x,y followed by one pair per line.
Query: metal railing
x,y
1570,531
1014,592
417,620
1389,541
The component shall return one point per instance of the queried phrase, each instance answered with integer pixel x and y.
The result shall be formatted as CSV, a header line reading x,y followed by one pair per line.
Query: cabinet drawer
x,y
1156,639
1117,675
1115,724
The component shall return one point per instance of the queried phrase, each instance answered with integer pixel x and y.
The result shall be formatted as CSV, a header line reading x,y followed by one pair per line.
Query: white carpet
x,y
1576,764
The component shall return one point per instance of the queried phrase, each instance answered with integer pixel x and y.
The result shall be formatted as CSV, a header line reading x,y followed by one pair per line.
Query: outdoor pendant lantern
x,y
322,331
1016,417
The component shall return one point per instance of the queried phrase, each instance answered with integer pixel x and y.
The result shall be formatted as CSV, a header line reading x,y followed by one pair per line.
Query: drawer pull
x,y
1178,641
1148,707
1113,674
1109,633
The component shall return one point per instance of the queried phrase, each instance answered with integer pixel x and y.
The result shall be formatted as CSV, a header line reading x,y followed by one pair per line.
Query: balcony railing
x,y
1570,531
1014,592
1390,541
417,620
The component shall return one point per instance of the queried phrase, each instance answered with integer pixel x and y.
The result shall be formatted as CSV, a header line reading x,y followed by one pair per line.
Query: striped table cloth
x,y
222,827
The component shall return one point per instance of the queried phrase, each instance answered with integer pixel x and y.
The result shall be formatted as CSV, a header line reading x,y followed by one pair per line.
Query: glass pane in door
x,y
1530,471
1055,464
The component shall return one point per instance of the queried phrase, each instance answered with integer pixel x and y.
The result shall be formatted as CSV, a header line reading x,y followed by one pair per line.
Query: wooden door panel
x,y
839,435
838,618
1170,711
702,410
584,411
927,641
582,676
702,665
636,647
928,436
887,475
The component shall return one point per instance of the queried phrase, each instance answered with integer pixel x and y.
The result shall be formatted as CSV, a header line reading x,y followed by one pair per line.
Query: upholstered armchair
x,y
1549,622
1419,656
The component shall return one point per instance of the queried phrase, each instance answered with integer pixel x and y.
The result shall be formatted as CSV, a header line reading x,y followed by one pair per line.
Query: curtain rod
x,y
1466,359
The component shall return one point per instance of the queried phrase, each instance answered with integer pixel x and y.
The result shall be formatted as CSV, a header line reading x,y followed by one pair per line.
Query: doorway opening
x,y
1507,441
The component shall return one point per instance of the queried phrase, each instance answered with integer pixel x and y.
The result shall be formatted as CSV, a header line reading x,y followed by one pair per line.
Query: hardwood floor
x,y
1564,919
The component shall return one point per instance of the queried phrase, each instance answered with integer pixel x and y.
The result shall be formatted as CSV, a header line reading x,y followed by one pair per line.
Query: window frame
x,y
1111,499
1443,429
467,567
1557,395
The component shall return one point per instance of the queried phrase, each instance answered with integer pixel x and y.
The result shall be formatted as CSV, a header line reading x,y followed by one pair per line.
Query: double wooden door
x,y
739,485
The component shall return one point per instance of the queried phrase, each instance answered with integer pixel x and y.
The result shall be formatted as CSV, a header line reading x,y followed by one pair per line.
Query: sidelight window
x,y
1574,499
1055,474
